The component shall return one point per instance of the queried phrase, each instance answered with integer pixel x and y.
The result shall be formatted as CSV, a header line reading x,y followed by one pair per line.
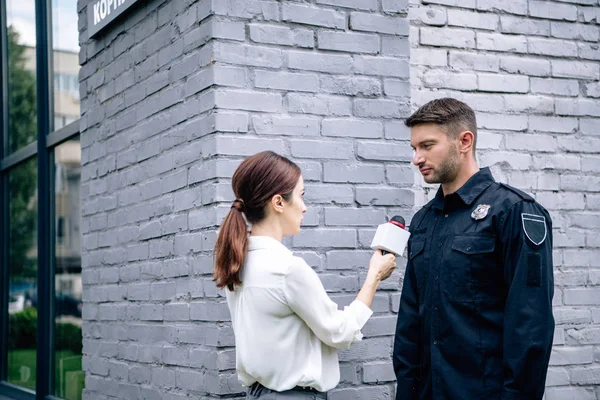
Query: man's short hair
x,y
452,115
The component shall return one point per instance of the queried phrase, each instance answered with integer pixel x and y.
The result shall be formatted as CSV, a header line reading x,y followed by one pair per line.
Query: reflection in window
x,y
22,269
69,376
22,111
65,53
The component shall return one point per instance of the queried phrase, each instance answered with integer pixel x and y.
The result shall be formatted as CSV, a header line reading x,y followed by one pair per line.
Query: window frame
x,y
43,148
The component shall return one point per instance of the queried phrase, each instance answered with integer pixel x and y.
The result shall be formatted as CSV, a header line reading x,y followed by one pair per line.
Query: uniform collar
x,y
265,242
467,192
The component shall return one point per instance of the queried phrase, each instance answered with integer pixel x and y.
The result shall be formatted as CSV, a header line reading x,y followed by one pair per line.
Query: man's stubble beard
x,y
448,169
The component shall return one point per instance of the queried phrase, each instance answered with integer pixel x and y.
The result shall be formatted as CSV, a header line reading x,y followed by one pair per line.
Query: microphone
x,y
391,237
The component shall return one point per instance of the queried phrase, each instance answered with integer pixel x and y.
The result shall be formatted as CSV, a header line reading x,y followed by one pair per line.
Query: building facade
x,y
172,95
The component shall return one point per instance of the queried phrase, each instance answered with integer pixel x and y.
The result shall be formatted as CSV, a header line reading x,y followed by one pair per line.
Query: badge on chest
x,y
480,212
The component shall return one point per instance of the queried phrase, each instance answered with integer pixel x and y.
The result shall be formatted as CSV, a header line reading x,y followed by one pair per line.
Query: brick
x,y
334,238
378,371
247,55
280,35
582,107
370,22
248,100
519,65
295,125
318,104
472,61
300,82
565,30
321,149
593,89
455,3
341,127
332,63
515,161
564,393
380,108
551,47
552,10
524,26
259,9
429,57
394,46
396,88
460,38
350,85
513,7
528,103
394,6
442,79
369,5
587,376
348,42
575,69
564,87
588,51
309,15
500,42
431,16
503,83
377,196
468,19
228,30
542,143
337,172
552,124
383,66
589,126
241,146
328,194
379,151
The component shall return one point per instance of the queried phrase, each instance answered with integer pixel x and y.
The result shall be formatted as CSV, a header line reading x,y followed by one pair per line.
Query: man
x,y
475,319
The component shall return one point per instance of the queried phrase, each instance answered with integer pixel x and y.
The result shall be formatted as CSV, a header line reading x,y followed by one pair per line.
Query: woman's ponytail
x,y
231,247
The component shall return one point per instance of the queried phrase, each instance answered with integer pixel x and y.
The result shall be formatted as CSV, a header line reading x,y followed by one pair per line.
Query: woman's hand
x,y
380,266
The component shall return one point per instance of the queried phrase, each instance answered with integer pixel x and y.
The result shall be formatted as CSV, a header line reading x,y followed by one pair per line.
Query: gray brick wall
x,y
531,70
176,93
174,96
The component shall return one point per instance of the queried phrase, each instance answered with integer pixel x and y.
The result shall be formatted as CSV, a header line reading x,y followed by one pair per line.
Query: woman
x,y
286,328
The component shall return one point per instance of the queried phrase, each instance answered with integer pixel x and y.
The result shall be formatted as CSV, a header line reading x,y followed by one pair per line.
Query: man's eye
x,y
427,146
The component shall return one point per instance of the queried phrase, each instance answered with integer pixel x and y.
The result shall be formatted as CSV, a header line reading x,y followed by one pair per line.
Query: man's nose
x,y
417,158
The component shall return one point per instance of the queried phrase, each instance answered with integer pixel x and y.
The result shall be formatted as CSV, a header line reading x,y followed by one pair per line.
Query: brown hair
x,y
255,182
452,115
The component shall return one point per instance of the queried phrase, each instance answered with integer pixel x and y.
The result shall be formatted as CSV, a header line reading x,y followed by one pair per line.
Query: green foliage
x,y
22,329
23,178
68,337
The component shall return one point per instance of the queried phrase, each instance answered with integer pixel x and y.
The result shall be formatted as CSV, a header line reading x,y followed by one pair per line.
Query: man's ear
x,y
466,139
277,203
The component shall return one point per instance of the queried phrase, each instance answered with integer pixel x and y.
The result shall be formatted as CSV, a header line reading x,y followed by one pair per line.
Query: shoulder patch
x,y
534,227
518,192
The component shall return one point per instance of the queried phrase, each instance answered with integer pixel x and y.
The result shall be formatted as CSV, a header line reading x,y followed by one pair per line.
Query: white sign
x,y
103,12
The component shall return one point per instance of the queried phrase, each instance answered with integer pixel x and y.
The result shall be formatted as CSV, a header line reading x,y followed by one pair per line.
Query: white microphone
x,y
391,237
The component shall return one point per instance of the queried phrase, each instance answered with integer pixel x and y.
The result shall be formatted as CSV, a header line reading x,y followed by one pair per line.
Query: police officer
x,y
475,319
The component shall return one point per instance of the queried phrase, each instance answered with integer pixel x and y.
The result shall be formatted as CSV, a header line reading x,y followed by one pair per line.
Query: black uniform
x,y
475,319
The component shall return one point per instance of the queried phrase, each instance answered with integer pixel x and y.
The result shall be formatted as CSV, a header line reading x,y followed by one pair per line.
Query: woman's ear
x,y
277,203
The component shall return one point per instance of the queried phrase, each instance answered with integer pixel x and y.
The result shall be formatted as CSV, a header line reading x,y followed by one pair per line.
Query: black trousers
x,y
258,391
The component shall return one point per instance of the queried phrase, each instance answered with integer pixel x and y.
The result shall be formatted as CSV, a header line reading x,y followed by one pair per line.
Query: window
x,y
40,174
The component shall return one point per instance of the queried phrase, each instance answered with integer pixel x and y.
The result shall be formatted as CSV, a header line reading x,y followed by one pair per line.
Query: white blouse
x,y
286,327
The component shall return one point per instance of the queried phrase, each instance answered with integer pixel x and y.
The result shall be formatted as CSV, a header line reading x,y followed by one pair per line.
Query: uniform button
x,y
435,342
435,308
469,248
436,278
446,215
440,244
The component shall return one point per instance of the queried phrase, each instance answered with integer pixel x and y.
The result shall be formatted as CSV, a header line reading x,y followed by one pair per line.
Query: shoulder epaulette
x,y
520,193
